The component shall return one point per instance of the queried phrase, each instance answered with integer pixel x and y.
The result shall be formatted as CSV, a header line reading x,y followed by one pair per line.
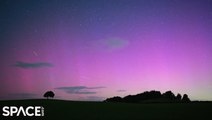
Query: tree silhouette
x,y
151,96
185,98
114,99
179,97
169,95
49,94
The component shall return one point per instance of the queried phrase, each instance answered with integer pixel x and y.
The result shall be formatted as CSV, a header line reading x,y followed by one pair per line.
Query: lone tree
x,y
49,94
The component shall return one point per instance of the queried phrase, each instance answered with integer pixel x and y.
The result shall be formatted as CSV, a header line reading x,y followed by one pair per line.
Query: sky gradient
x,y
94,49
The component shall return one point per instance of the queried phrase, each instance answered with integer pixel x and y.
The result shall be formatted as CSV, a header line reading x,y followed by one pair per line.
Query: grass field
x,y
70,110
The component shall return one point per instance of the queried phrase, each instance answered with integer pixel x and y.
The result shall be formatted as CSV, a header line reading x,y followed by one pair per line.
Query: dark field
x,y
70,110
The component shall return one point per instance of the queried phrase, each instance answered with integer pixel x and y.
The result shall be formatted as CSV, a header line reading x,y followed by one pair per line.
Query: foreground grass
x,y
70,110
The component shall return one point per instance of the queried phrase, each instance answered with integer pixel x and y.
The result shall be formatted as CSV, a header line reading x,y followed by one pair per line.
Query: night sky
x,y
94,49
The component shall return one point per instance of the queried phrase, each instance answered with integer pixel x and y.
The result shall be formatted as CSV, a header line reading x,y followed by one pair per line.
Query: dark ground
x,y
70,110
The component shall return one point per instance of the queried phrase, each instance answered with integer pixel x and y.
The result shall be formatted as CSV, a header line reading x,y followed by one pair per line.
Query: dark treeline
x,y
151,96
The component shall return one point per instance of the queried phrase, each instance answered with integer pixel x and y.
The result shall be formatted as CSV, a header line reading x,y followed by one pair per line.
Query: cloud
x,y
32,65
95,98
100,87
121,90
22,95
79,89
112,43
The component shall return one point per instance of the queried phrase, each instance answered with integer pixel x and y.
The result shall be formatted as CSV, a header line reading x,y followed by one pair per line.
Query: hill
x,y
73,110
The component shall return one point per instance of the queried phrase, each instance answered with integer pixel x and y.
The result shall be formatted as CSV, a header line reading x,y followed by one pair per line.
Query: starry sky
x,y
95,49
